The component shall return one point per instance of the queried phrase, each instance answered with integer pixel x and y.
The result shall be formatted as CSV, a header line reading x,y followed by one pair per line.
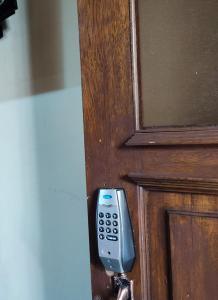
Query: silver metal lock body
x,y
114,231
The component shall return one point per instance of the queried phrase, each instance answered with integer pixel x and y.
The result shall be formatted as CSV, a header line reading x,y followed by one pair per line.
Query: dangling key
x,y
125,287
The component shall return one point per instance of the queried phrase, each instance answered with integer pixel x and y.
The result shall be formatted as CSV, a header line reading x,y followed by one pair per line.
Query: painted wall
x,y
43,214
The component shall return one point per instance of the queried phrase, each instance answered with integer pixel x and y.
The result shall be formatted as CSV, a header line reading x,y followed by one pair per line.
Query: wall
x,y
43,214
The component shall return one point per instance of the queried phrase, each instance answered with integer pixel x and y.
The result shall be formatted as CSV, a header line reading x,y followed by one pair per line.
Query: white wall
x,y
43,214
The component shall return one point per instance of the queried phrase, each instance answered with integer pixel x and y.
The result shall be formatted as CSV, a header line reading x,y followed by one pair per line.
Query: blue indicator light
x,y
107,197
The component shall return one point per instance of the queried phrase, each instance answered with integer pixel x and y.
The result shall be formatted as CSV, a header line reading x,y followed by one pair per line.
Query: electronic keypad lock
x,y
114,231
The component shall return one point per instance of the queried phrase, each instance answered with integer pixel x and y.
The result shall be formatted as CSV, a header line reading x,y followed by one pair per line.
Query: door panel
x,y
170,175
183,240
158,228
194,257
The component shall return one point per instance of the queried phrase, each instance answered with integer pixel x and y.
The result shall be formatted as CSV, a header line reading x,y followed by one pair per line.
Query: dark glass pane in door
x,y
178,51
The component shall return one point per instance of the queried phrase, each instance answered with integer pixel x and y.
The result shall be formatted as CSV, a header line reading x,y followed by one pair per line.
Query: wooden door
x,y
166,159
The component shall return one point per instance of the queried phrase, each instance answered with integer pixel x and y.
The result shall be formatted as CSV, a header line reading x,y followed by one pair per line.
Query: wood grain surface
x,y
110,120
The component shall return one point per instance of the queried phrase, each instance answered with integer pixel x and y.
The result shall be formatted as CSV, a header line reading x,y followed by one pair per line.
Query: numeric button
x,y
115,223
101,236
115,230
115,216
108,230
108,223
101,222
101,215
108,215
101,229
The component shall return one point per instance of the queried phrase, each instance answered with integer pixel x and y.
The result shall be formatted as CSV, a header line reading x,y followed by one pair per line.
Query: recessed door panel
x,y
182,242
194,255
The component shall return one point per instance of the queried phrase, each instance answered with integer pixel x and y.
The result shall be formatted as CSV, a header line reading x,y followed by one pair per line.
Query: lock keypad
x,y
109,221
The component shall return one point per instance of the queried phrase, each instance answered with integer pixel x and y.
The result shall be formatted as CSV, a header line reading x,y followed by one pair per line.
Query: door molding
x,y
179,185
174,136
166,135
